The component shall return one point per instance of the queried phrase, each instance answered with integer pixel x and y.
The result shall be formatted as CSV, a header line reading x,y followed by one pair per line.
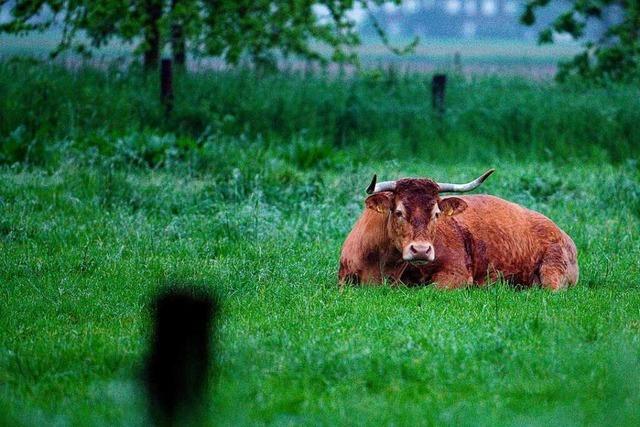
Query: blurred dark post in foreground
x,y
166,86
178,366
438,85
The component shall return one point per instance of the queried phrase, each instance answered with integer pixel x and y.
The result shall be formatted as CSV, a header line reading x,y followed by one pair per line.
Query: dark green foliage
x,y
613,56
47,111
230,29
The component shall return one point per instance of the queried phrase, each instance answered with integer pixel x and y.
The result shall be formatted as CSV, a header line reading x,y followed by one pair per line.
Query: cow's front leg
x,y
385,272
452,278
372,275
358,273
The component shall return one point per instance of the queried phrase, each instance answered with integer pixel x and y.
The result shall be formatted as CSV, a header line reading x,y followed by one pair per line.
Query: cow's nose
x,y
420,252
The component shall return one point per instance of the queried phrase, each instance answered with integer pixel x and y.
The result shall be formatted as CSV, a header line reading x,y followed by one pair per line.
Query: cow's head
x,y
413,207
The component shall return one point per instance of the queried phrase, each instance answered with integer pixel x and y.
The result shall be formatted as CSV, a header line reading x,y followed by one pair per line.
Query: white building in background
x,y
456,18
470,8
410,6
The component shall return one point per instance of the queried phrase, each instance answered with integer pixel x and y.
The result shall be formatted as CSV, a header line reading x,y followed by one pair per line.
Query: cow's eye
x,y
437,215
399,214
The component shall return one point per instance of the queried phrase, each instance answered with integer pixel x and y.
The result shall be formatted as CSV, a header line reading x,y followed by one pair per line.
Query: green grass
x,y
85,246
47,110
249,190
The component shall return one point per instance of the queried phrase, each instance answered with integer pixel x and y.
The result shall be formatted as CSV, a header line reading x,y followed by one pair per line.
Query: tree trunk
x,y
178,44
153,11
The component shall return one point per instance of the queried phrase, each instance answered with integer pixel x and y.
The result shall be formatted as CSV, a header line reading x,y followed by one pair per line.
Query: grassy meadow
x,y
249,189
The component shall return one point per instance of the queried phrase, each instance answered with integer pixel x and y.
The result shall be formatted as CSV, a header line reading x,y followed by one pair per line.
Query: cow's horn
x,y
460,188
380,186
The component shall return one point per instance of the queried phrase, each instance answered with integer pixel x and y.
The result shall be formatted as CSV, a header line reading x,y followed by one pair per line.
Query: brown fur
x,y
476,238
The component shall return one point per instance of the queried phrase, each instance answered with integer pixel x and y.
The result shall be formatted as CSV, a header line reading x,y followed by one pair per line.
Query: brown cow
x,y
409,234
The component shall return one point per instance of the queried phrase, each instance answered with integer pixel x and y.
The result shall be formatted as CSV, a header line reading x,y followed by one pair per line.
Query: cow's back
x,y
506,239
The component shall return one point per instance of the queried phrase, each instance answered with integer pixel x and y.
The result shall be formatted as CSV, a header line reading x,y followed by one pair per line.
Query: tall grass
x,y
84,249
45,109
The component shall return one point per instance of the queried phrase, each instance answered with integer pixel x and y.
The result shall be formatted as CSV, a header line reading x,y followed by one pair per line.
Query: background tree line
x,y
263,29
259,29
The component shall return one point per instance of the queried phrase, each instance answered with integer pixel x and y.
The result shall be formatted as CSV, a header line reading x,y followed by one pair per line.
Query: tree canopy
x,y
319,30
613,55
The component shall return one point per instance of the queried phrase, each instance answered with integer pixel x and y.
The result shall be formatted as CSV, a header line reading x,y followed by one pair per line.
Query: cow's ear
x,y
380,202
452,206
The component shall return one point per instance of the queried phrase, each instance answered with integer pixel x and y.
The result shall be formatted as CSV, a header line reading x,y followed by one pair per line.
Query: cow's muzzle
x,y
419,251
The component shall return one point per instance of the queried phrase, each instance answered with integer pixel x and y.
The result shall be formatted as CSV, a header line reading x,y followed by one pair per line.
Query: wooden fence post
x,y
437,92
457,62
166,86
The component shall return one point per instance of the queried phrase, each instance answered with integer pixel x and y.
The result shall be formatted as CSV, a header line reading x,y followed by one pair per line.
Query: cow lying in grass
x,y
409,234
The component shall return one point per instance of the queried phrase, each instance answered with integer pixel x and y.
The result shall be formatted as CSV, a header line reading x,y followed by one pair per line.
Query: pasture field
x,y
249,190
480,54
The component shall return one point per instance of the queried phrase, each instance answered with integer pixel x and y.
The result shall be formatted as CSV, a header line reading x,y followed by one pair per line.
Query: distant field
x,y
477,55
480,50
40,44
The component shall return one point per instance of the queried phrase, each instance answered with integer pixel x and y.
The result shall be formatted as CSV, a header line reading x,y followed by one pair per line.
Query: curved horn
x,y
380,186
460,188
